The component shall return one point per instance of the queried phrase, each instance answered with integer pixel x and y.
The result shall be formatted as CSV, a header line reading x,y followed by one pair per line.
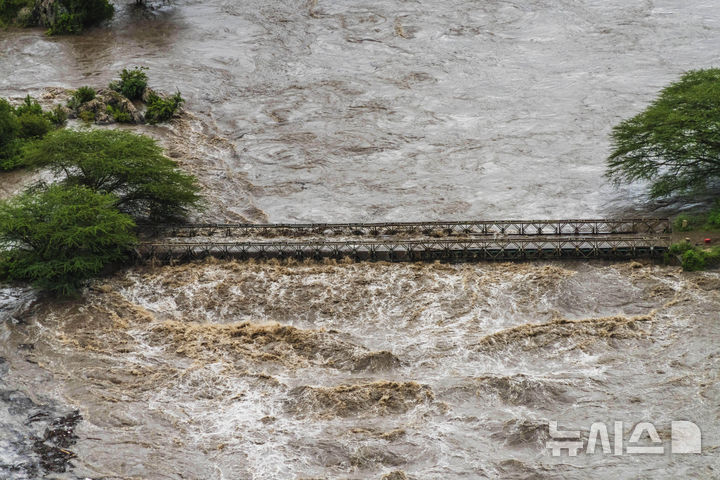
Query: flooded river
x,y
383,110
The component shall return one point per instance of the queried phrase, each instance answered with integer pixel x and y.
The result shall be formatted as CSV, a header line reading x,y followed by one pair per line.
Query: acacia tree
x,y
145,183
675,142
59,237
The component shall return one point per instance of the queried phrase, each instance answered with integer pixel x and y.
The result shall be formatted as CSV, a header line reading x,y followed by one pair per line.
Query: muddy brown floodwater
x,y
382,110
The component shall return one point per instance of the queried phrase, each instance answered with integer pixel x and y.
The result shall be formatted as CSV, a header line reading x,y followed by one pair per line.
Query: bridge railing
x,y
657,226
468,249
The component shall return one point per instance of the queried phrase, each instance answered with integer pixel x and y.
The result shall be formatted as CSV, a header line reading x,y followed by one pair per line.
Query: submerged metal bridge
x,y
411,241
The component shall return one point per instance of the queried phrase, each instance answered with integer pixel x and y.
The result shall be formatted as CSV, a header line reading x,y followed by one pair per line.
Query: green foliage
x,y
88,116
162,109
9,142
72,16
713,218
57,116
65,23
33,125
9,125
84,94
9,9
132,83
712,256
693,260
10,155
682,223
131,167
29,106
680,248
119,115
58,238
21,124
675,142
73,103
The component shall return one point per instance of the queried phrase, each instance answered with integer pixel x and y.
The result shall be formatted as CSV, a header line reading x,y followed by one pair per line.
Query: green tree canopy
x,y
146,184
9,127
675,142
57,238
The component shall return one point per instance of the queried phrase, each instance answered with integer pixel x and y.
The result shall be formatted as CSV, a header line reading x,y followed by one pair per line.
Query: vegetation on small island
x,y
674,144
162,109
58,16
27,123
132,83
118,103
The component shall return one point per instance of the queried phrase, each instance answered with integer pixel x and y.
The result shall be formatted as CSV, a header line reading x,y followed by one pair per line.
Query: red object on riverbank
x,y
707,240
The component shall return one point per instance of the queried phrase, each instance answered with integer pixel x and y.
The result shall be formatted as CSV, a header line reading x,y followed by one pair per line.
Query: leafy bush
x,y
65,23
72,16
9,129
87,116
10,155
29,105
131,167
132,83
33,126
84,94
693,260
119,115
712,256
57,116
18,125
162,109
682,223
680,248
9,125
9,9
713,218
58,238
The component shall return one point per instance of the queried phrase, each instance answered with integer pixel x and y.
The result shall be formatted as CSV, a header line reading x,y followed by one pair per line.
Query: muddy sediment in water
x,y
284,344
378,398
365,369
581,332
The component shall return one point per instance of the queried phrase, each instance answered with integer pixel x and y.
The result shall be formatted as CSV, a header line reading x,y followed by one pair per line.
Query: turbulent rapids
x,y
309,111
306,370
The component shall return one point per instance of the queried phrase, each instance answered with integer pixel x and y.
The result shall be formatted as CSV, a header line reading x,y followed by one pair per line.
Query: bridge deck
x,y
450,249
637,226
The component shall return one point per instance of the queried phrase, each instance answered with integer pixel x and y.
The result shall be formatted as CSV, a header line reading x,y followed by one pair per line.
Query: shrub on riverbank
x,y
58,16
162,109
57,238
688,222
73,16
694,258
132,83
22,124
80,96
10,11
674,142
